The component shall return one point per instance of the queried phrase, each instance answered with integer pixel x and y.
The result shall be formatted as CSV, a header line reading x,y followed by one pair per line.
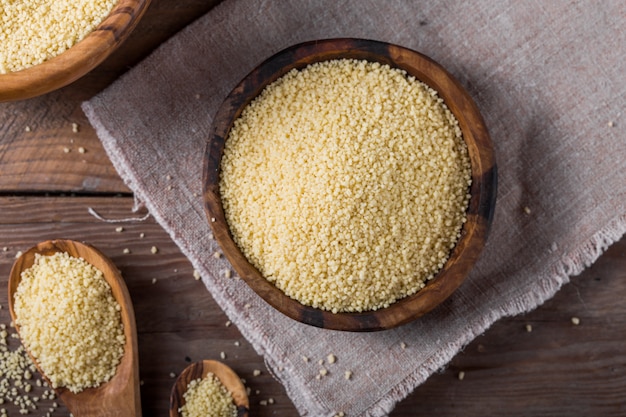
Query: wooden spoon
x,y
227,377
120,395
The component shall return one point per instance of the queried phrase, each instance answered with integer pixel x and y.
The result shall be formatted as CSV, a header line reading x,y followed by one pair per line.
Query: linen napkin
x,y
549,80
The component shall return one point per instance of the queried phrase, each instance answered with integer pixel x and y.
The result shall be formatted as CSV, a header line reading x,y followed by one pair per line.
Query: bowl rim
x,y
77,60
483,189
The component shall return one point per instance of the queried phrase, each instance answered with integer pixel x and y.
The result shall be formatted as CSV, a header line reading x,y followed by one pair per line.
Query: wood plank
x,y
556,369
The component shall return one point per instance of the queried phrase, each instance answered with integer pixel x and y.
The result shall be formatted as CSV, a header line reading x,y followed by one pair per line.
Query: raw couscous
x,y
34,31
69,321
208,397
346,184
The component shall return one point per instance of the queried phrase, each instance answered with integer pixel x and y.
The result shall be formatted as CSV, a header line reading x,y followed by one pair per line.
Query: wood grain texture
x,y
78,60
482,190
197,370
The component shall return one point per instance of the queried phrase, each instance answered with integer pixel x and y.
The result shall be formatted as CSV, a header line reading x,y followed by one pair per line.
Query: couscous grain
x,y
346,184
207,397
34,31
69,321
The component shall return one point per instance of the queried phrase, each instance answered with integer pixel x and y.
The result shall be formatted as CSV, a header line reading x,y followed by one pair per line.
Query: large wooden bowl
x,y
483,188
78,60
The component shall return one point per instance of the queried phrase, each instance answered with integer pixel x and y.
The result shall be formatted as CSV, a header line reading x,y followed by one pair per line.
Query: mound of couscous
x,y
346,184
69,321
207,397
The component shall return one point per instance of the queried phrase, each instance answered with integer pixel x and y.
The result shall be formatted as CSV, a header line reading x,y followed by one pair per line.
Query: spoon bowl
x,y
225,374
120,395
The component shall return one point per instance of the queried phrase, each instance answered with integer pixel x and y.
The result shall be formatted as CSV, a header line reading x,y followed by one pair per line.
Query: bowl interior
x,y
482,190
75,62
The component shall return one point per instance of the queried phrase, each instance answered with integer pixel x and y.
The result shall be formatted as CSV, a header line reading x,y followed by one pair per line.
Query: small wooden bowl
x,y
483,188
201,369
78,60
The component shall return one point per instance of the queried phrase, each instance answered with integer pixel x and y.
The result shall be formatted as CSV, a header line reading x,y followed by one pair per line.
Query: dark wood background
x,y
557,369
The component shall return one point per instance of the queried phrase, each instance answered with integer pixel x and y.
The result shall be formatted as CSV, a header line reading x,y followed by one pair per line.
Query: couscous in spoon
x,y
120,395
224,373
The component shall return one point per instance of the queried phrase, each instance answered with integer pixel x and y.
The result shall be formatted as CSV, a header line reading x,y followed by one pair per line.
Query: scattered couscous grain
x,y
34,31
222,355
331,358
575,321
461,375
347,374
70,321
346,184
172,375
75,127
529,328
527,210
126,251
196,275
207,397
154,250
119,229
27,129
66,150
402,345
256,372
81,149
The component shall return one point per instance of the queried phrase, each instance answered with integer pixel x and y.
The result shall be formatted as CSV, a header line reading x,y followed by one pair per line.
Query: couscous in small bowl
x,y
58,57
324,276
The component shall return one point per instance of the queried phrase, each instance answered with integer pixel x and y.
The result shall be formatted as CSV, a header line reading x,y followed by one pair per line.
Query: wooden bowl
x,y
483,188
226,376
78,60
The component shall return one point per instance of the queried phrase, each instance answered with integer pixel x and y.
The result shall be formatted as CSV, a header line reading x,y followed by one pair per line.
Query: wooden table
x,y
47,184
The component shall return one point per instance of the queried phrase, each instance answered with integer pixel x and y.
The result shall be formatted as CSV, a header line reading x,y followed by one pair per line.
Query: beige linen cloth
x,y
549,79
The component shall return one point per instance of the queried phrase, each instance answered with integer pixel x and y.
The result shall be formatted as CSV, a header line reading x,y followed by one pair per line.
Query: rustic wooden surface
x,y
557,369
